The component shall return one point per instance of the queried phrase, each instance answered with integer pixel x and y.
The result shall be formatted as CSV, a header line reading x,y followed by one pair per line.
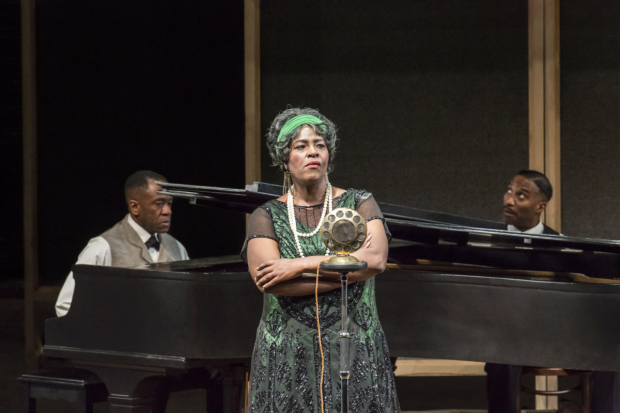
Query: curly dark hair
x,y
281,157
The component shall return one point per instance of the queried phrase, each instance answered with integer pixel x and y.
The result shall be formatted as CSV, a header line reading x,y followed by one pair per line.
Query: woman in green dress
x,y
283,243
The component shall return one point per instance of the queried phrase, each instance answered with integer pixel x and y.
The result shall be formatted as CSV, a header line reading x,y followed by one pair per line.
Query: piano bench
x,y
584,386
69,384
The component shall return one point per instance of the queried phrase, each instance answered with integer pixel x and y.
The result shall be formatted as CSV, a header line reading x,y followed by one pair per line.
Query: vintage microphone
x,y
344,231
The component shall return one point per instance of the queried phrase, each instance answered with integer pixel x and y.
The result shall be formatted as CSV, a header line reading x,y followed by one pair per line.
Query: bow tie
x,y
152,243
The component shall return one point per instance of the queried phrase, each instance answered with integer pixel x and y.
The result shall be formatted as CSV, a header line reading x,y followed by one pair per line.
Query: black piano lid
x,y
259,192
405,223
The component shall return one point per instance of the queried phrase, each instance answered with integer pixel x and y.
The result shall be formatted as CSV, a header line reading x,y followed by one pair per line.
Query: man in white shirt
x,y
524,202
140,238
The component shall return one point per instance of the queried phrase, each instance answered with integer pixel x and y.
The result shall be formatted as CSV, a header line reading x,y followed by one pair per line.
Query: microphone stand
x,y
344,268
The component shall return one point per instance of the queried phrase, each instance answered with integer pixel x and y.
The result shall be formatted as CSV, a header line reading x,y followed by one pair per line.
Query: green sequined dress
x,y
286,362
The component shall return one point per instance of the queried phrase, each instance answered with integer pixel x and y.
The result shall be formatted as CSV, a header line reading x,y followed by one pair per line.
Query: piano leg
x,y
503,387
234,387
29,404
131,390
205,378
606,392
162,393
215,393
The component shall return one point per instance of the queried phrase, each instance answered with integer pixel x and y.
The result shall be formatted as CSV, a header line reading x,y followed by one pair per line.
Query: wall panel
x,y
431,97
590,99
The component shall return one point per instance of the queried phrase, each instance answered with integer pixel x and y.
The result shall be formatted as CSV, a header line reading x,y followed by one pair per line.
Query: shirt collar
x,y
144,234
538,229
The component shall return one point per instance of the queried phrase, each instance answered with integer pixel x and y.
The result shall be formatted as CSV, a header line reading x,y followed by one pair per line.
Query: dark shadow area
x,y
11,165
125,86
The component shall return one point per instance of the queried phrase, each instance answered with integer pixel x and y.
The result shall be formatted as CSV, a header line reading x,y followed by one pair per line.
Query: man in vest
x,y
140,238
524,202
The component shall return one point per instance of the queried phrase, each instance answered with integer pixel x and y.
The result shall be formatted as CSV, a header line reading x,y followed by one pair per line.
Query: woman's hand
x,y
273,272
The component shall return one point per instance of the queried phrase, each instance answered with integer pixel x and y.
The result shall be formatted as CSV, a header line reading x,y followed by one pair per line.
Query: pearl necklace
x,y
291,217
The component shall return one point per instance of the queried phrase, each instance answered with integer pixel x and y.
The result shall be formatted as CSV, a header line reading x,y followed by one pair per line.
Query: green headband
x,y
293,124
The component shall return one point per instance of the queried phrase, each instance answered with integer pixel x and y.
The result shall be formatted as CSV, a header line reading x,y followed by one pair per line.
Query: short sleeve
x,y
259,226
369,210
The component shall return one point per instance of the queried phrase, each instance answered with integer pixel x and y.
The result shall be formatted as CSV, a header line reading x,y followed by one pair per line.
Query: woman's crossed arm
x,y
281,276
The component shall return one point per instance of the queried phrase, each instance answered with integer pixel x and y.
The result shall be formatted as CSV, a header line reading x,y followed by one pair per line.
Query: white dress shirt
x,y
538,229
98,252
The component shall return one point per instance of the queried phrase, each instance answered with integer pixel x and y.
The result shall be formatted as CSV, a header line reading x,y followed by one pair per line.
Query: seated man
x,y
525,200
140,238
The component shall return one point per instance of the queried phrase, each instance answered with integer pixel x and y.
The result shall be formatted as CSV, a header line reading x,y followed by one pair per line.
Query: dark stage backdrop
x,y
590,104
11,165
431,97
131,85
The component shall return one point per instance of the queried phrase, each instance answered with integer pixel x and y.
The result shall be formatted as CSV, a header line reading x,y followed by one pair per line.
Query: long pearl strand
x,y
291,217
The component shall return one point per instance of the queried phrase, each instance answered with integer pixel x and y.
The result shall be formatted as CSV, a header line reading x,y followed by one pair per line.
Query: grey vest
x,y
128,250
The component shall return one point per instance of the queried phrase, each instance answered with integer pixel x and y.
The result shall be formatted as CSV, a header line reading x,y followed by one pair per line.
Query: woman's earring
x,y
287,182
326,179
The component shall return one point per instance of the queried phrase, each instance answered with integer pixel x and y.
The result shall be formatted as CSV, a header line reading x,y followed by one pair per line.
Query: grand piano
x,y
455,288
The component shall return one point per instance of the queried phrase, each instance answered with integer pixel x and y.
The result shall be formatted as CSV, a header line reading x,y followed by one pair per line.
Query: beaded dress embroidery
x,y
286,362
